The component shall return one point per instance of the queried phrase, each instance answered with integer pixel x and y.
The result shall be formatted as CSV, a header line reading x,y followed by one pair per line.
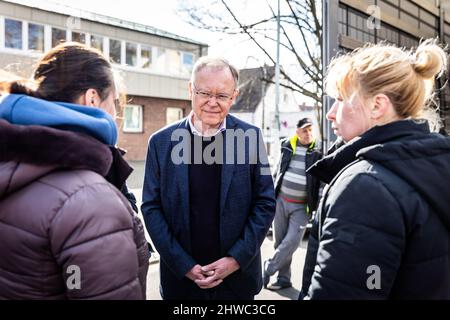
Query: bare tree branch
x,y
292,48
302,34
301,37
301,90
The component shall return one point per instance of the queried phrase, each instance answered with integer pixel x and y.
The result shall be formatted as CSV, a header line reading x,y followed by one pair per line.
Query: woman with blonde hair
x,y
66,230
383,225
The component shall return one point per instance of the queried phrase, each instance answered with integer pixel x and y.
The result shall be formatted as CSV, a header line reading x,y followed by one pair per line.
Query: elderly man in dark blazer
x,y
208,197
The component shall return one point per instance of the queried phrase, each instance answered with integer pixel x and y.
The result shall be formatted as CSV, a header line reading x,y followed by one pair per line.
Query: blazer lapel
x,y
227,168
181,175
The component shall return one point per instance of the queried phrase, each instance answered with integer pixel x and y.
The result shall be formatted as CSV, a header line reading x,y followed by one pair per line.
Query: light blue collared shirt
x,y
221,128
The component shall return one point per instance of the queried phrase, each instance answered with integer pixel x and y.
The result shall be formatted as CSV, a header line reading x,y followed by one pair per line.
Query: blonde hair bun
x,y
430,60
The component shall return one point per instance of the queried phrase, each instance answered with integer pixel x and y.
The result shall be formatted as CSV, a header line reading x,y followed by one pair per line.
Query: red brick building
x,y
155,116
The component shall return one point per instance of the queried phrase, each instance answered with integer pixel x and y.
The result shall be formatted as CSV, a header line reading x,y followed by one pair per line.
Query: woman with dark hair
x,y
66,230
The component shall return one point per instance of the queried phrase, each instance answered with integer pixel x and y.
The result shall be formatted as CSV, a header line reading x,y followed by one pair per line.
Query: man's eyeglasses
x,y
221,97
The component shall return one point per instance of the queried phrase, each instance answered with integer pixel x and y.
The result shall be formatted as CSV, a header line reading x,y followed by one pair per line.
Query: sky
x,y
163,15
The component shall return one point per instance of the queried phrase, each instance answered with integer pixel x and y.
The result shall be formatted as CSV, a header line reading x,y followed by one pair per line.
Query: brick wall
x,y
154,115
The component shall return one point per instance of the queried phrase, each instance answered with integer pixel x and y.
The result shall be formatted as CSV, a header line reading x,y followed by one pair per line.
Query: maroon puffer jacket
x,y
61,221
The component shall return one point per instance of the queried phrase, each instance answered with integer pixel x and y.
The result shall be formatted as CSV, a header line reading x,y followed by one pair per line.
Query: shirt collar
x,y
194,130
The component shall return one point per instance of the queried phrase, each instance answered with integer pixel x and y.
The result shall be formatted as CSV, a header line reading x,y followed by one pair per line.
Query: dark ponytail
x,y
23,87
10,83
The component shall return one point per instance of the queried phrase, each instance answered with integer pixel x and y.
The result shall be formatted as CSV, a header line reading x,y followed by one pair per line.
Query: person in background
x,y
66,230
383,227
297,194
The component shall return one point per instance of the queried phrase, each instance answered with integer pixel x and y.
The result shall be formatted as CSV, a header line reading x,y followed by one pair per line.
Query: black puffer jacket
x,y
386,213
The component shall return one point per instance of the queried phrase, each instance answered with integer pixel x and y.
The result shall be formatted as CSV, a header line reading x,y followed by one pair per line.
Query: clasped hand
x,y
212,275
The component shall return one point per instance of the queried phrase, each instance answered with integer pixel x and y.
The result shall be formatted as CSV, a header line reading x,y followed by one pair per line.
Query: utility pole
x,y
277,82
263,70
263,98
330,47
443,104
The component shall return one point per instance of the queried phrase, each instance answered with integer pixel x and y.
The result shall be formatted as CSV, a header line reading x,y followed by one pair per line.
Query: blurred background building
x,y
256,105
349,24
155,64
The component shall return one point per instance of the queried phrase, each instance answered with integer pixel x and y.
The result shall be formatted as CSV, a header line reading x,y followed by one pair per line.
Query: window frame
x,y
159,55
60,41
102,43
145,47
28,37
86,36
120,50
136,45
174,108
140,128
22,37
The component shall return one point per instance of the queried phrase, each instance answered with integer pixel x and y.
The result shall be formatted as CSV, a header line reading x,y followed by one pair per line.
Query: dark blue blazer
x,y
247,208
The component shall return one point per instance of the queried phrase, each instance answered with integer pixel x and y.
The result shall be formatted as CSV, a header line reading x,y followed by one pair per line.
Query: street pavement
x,y
265,294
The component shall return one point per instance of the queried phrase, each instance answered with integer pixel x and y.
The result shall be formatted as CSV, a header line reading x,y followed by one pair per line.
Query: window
x,y
188,62
357,27
160,61
146,57
13,34
173,115
173,61
35,37
97,42
188,59
115,50
408,41
131,54
132,118
58,36
79,37
388,33
342,19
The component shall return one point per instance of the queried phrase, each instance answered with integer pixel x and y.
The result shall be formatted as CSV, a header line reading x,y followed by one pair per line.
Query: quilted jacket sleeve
x,y
361,243
93,241
144,247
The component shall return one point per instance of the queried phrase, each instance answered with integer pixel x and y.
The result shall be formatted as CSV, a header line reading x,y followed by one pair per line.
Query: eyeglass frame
x,y
209,95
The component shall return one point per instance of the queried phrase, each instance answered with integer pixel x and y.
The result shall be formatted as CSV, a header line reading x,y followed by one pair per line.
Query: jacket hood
x,y
25,110
30,152
409,150
423,163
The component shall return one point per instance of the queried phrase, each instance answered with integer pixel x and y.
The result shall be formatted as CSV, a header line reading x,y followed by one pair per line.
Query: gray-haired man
x,y
208,220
